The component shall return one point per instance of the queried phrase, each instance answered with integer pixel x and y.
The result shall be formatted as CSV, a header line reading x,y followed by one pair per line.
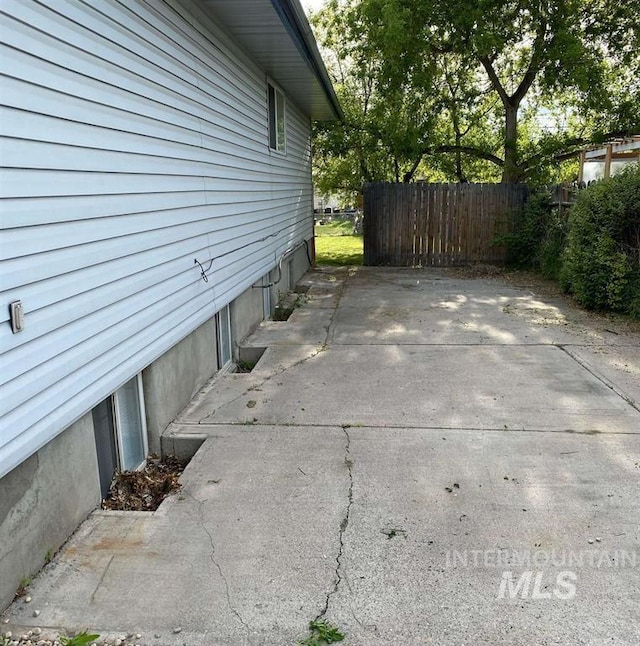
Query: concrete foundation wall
x,y
300,263
43,500
170,382
246,313
293,268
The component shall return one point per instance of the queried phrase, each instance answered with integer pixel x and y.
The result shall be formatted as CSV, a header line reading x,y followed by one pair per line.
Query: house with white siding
x,y
156,182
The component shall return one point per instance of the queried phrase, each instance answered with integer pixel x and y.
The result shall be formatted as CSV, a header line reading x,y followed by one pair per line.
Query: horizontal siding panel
x,y
36,211
153,102
129,247
134,139
21,154
139,309
26,241
119,66
70,347
27,128
206,163
53,183
42,183
29,101
135,116
48,302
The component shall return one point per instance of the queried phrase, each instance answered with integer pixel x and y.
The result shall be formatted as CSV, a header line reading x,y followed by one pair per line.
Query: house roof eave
x,y
278,38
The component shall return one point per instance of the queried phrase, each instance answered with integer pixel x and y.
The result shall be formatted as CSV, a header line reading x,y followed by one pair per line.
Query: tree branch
x,y
408,176
533,68
493,77
469,150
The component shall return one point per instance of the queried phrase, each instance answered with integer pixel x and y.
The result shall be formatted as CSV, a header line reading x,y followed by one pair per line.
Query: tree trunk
x,y
459,174
510,172
408,176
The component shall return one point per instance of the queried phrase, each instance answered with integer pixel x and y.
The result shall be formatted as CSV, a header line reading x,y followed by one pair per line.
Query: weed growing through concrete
x,y
22,588
322,633
244,367
81,639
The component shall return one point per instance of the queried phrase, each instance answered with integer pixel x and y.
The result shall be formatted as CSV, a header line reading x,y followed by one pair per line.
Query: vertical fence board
x,y
423,224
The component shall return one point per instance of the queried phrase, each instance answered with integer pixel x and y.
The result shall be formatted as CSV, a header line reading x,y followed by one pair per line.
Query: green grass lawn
x,y
336,245
335,228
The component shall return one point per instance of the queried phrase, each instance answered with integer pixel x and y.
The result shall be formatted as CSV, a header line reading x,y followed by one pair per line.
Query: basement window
x,y
120,432
223,325
276,119
266,297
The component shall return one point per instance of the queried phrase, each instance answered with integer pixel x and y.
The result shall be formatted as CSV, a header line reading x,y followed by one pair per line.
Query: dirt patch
x,y
606,323
144,490
478,270
568,312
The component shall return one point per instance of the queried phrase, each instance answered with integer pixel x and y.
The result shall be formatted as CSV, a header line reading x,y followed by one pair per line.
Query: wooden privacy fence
x,y
420,224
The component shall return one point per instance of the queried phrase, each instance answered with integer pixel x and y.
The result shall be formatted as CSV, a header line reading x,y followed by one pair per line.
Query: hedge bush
x,y
601,263
539,237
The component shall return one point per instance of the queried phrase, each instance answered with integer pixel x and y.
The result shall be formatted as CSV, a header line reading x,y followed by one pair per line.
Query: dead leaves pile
x,y
144,490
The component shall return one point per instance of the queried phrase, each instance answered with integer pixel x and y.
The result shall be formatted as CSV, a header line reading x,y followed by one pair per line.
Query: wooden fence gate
x,y
420,224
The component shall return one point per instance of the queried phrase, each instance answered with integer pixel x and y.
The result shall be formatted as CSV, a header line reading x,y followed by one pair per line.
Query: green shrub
x,y
601,265
523,243
554,242
539,237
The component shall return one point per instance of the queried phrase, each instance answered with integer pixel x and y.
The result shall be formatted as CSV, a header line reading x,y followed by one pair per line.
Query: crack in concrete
x,y
259,384
102,577
340,292
603,380
216,564
343,528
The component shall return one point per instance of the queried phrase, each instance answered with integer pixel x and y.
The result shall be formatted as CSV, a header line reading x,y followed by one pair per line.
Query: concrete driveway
x,y
418,458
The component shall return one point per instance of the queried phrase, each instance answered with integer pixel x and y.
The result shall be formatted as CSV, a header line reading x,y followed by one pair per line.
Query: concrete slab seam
x,y
463,345
277,373
601,378
408,426
343,527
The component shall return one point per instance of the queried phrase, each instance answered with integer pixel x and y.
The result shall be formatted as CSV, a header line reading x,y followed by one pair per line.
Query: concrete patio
x,y
417,458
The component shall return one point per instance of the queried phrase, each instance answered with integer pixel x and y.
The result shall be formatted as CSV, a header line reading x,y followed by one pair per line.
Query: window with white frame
x,y
120,432
276,119
130,425
266,297
223,325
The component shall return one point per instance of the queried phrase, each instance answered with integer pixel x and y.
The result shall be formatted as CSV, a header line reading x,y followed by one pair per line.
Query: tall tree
x,y
480,69
386,126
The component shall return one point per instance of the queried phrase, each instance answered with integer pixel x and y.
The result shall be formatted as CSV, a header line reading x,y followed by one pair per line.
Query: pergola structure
x,y
602,161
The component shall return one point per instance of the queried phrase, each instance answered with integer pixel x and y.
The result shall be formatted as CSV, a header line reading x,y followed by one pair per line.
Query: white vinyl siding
x,y
134,140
